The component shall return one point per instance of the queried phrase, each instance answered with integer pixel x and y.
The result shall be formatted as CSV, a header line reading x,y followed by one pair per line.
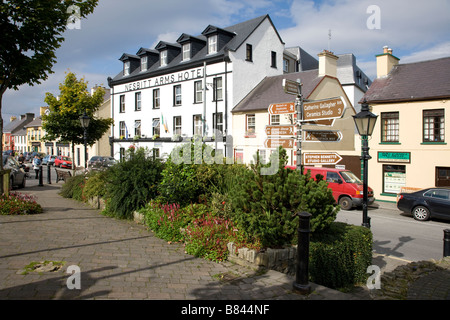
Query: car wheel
x,y
421,213
345,203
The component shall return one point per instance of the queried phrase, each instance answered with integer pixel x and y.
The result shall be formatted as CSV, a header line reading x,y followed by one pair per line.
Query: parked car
x,y
101,162
49,160
63,162
17,175
427,203
346,186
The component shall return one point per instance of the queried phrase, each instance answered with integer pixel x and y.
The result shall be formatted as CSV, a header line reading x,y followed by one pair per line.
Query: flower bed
x,y
18,203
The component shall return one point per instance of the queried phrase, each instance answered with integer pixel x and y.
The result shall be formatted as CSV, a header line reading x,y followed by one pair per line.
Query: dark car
x,y
101,162
63,162
17,175
426,203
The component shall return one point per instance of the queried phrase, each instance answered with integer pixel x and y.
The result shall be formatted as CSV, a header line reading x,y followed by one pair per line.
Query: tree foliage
x,y
63,121
32,30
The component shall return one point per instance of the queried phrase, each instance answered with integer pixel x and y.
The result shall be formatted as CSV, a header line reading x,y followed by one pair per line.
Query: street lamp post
x,y
84,119
365,123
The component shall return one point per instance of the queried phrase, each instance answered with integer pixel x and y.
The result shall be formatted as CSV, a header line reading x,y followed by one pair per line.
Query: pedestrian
x,y
21,158
36,165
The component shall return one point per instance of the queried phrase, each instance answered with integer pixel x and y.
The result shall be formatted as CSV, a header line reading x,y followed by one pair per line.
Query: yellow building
x,y
409,147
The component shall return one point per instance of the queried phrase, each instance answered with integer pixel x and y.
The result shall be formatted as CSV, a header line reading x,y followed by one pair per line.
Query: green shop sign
x,y
402,157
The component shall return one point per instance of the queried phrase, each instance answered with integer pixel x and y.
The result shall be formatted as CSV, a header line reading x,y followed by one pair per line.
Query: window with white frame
x,y
122,103
156,123
285,65
137,128
198,92
218,122
186,51
250,125
122,130
434,125
217,89
163,58
197,125
177,95
177,125
212,44
156,99
137,102
126,68
275,119
144,63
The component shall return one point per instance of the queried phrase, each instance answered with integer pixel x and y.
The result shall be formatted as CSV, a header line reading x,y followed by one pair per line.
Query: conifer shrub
x,y
73,187
264,206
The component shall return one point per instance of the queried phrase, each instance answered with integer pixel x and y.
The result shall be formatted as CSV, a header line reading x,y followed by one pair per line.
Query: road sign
x,y
291,87
283,130
324,109
322,136
321,158
282,108
275,143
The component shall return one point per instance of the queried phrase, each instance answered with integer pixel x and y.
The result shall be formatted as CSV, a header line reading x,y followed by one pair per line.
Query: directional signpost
x,y
322,136
282,108
324,109
329,158
284,130
275,143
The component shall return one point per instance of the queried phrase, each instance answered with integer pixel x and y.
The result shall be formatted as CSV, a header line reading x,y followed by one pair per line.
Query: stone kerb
x,y
282,260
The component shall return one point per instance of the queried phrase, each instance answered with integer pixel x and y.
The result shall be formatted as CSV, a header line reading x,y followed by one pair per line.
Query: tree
x,y
31,32
63,121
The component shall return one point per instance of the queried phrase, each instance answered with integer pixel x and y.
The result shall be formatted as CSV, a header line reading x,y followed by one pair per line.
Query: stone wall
x,y
282,260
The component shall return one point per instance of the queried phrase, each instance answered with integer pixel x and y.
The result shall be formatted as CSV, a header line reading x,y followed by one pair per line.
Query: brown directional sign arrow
x,y
283,130
282,108
322,136
321,158
324,109
275,143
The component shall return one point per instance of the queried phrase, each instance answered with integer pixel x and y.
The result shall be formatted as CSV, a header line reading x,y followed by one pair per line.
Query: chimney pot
x,y
385,49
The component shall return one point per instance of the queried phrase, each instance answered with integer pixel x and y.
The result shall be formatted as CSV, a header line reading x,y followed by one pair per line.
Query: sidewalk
x,y
123,260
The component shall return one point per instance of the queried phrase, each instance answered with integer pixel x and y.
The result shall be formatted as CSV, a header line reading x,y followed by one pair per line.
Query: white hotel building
x,y
179,90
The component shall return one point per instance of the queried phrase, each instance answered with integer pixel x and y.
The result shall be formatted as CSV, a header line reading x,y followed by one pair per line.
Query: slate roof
x,y
18,124
349,73
426,80
241,32
270,90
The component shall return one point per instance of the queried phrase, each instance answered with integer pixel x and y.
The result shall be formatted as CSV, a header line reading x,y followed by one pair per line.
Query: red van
x,y
346,186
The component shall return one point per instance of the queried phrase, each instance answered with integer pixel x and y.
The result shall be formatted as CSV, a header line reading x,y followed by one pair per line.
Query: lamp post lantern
x,y
365,123
84,119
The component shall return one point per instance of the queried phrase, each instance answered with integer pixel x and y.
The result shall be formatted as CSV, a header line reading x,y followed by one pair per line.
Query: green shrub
x,y
340,256
95,184
18,203
132,183
73,187
264,205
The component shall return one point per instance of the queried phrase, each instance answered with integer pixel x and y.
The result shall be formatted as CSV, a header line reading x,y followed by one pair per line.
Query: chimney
x,y
385,62
327,64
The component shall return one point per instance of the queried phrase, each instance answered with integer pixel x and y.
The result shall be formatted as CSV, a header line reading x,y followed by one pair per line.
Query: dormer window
x,y
126,68
186,51
144,63
212,44
163,58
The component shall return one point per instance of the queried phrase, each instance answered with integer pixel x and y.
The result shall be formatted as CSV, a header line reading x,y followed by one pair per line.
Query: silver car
x,y
17,175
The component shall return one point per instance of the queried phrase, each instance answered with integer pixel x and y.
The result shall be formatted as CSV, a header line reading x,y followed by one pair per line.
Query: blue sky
x,y
415,30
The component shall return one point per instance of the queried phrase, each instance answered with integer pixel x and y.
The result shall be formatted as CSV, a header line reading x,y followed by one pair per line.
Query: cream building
x,y
251,116
409,147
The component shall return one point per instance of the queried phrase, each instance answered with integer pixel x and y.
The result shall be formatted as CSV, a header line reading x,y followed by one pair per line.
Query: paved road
x,y
400,236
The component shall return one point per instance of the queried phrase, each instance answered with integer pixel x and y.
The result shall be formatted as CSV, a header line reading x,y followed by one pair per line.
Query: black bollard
x,y
447,243
301,284
49,180
40,177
